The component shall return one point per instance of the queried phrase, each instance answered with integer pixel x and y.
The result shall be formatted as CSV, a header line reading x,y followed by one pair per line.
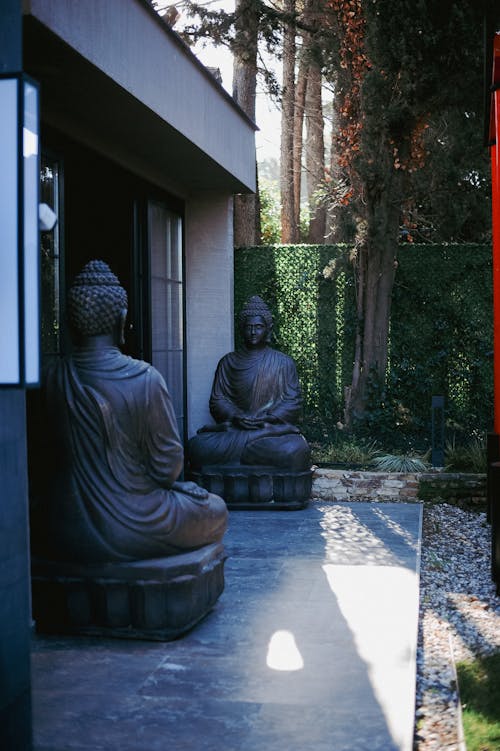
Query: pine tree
x,y
393,62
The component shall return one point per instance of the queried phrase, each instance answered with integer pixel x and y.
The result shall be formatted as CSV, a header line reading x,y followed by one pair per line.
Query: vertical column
x,y
495,195
209,297
15,628
494,441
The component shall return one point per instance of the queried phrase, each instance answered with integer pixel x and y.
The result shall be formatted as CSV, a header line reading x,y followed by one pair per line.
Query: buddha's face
x,y
255,331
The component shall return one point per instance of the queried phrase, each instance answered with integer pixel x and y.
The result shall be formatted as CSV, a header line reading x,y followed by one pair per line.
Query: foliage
x,y
269,212
408,157
401,463
345,450
440,344
479,686
469,457
450,196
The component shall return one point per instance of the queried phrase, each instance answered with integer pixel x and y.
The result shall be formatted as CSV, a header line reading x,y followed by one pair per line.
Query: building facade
x,y
141,153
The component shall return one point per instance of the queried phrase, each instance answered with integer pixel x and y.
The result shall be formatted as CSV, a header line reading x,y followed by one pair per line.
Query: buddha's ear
x,y
269,337
121,327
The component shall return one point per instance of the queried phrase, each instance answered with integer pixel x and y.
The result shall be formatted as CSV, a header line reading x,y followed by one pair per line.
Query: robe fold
x,y
117,454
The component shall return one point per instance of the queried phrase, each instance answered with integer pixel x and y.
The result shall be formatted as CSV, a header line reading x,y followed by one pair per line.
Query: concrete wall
x,y
209,297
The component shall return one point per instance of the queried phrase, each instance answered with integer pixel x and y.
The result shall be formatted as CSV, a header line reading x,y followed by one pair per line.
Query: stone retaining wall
x,y
348,485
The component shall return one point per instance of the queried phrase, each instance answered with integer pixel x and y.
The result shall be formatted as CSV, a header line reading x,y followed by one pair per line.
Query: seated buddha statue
x,y
255,403
112,491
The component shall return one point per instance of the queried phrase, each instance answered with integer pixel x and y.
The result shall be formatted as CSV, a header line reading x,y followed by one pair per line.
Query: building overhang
x,y
116,77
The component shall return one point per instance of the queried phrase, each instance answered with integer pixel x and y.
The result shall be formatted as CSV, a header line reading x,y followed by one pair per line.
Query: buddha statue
x,y
255,403
112,491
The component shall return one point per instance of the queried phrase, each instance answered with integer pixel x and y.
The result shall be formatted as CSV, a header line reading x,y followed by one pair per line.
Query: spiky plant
x,y
409,463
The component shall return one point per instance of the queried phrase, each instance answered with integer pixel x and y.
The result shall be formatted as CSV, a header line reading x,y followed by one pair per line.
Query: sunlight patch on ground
x,y
377,602
343,530
283,653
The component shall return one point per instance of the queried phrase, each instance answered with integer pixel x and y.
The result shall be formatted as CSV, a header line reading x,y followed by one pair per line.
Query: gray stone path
x,y
311,647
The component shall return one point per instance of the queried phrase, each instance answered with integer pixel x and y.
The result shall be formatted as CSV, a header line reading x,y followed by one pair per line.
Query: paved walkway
x,y
311,647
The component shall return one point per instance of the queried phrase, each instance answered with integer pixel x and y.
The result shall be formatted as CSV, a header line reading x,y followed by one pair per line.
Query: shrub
x,y
469,457
345,451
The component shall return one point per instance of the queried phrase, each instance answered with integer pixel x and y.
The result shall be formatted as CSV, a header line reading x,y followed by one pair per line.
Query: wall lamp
x,y
19,231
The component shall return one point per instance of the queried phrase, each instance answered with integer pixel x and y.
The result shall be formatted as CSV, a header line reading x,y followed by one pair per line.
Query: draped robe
x,y
117,454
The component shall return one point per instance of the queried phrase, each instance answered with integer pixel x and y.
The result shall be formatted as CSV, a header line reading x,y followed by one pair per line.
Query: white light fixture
x,y
19,231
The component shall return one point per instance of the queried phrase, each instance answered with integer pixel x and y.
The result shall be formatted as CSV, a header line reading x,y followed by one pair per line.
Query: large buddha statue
x,y
113,492
255,403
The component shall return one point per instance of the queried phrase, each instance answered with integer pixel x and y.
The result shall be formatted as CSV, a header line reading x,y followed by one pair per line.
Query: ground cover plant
x,y
401,463
469,457
479,685
348,450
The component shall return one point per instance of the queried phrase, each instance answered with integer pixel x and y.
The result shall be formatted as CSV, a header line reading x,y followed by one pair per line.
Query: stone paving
x,y
311,647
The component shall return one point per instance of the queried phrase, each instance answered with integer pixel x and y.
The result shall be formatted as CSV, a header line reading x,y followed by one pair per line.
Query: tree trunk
x,y
289,230
315,153
300,98
246,206
377,261
340,224
246,218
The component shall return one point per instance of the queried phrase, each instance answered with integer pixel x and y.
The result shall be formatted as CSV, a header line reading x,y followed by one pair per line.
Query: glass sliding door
x,y
167,301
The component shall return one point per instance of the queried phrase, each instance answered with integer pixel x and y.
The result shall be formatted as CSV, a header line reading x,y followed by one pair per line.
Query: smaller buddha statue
x,y
255,403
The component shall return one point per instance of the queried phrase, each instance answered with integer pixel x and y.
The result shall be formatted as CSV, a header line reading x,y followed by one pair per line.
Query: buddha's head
x,y
97,303
256,322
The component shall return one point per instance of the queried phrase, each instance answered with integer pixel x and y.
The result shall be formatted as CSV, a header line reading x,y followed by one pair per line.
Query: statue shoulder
x,y
156,381
228,360
281,357
288,359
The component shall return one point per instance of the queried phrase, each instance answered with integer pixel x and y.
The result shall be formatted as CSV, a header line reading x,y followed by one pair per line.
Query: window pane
x,y
159,303
157,240
175,249
175,314
165,243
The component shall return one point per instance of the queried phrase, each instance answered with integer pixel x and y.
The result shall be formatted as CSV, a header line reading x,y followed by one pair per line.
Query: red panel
x,y
495,194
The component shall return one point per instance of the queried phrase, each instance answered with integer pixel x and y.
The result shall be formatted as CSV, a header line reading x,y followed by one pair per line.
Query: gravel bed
x,y
459,618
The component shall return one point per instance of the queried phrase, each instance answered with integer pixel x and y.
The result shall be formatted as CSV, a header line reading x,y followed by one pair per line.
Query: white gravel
x,y
459,618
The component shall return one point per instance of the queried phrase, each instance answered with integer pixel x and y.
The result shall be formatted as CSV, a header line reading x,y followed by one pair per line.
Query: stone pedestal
x,y
157,599
256,487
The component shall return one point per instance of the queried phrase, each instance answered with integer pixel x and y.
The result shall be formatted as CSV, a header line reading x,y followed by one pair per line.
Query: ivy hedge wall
x,y
441,340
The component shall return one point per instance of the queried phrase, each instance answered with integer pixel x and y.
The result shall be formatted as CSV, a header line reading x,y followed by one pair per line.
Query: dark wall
x,y
15,620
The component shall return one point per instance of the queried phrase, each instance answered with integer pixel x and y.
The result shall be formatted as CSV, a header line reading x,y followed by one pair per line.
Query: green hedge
x,y
440,338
